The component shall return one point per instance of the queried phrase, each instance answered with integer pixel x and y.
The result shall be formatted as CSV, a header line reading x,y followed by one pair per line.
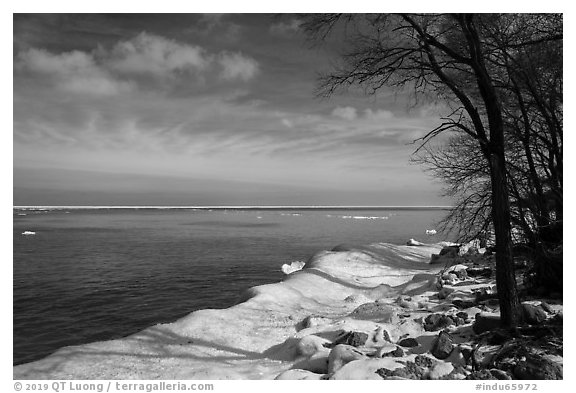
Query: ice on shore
x,y
349,313
255,339
292,267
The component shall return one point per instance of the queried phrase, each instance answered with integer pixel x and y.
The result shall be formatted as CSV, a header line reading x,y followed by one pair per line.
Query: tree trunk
x,y
505,278
493,150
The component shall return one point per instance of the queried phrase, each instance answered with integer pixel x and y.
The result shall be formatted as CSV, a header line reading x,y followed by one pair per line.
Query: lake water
x,y
98,274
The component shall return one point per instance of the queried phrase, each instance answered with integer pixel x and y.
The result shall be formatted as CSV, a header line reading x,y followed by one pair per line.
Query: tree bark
x,y
505,277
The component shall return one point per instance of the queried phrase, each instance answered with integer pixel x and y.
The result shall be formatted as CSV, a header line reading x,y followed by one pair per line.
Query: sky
x,y
202,109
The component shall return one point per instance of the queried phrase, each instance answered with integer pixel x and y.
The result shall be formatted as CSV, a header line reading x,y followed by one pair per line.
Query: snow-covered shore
x,y
352,313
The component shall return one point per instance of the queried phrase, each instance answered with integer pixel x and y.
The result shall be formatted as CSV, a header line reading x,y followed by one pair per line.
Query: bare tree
x,y
460,58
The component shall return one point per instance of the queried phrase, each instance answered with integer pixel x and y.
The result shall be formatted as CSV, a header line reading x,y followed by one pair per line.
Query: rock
x,y
460,303
485,322
309,345
462,314
424,361
460,321
442,346
410,371
342,354
435,322
447,254
536,367
546,307
479,272
418,369
450,251
355,339
435,259
408,342
533,315
375,311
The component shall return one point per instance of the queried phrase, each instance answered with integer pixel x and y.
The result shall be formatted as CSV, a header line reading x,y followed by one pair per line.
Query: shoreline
x,y
361,300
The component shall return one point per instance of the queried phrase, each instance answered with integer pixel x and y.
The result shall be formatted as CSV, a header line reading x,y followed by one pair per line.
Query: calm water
x,y
91,275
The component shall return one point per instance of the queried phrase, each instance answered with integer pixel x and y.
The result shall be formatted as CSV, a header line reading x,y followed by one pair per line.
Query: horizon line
x,y
230,207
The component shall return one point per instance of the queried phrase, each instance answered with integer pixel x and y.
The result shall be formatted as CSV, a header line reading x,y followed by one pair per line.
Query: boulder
x,y
342,354
533,315
442,346
485,322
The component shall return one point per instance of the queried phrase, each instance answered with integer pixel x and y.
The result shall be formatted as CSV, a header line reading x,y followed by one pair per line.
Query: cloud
x,y
286,28
147,53
237,66
346,113
131,64
379,114
74,71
